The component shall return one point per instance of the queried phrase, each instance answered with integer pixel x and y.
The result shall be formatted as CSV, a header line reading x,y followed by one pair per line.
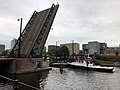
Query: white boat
x,y
89,66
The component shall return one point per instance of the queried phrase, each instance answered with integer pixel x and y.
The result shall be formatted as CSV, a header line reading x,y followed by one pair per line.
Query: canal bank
x,y
28,65
111,65
24,65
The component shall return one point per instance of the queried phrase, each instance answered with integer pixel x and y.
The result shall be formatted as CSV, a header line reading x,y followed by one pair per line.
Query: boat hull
x,y
90,68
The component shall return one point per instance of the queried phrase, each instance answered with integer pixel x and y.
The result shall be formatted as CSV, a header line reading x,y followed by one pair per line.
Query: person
x,y
87,62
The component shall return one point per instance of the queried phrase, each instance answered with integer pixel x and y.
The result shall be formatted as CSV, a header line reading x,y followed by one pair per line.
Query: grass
x,y
105,59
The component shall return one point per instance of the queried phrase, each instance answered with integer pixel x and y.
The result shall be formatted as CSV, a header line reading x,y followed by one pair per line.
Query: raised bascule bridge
x,y
26,53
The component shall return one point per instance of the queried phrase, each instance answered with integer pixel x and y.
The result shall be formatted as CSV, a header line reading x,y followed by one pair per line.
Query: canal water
x,y
69,79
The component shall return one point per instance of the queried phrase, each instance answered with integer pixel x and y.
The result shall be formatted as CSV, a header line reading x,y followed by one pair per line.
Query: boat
x,y
89,65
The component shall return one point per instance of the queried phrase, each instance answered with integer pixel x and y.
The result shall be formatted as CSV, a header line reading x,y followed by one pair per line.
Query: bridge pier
x,y
27,65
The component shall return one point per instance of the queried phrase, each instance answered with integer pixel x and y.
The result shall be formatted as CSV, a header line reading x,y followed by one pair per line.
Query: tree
x,y
116,53
63,52
97,56
4,53
52,52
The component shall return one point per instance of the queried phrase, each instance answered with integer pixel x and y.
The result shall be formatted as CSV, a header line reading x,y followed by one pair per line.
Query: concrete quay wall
x,y
26,65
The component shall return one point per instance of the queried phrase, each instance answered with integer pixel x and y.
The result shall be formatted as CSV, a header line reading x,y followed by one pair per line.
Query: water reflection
x,y
34,79
69,79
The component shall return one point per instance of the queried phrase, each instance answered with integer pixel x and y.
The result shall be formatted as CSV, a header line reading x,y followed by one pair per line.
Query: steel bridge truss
x,y
31,42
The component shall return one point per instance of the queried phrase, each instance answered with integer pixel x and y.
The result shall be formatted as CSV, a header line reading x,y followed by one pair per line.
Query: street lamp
x,y
56,49
72,48
20,36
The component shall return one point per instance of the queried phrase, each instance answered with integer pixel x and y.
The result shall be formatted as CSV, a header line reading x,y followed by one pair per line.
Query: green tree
x,y
4,53
63,52
97,56
116,53
52,52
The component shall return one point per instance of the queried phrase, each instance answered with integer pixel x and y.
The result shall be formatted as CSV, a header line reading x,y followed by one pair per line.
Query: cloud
x,y
80,20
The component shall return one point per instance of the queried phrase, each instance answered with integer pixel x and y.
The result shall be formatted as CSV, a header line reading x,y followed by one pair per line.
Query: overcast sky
x,y
78,20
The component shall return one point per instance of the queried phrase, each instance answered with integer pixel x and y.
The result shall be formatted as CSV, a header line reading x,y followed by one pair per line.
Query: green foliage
x,y
118,59
4,53
63,52
116,53
106,59
100,62
97,56
52,52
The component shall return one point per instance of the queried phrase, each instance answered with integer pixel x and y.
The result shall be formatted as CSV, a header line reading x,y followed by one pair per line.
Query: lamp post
x,y
56,49
20,36
72,49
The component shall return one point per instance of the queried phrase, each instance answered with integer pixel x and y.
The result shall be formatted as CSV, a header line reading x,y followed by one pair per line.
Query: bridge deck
x,y
32,40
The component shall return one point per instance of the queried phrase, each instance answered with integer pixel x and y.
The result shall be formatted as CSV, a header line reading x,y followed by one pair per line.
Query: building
x,y
72,47
2,47
85,48
112,51
103,46
94,47
13,42
52,47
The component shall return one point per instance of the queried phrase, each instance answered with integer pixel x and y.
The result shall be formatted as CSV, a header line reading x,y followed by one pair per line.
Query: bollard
x,y
61,68
16,84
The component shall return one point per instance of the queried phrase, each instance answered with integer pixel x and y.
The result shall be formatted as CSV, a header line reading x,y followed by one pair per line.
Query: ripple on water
x,y
82,80
70,79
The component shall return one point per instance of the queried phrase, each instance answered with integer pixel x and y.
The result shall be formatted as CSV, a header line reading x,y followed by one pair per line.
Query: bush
x,y
106,59
117,59
97,56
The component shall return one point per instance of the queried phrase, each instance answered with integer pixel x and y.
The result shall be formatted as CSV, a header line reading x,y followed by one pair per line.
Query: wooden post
x,y
16,84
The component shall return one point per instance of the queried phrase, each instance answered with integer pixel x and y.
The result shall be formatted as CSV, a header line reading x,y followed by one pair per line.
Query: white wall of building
x,y
72,47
